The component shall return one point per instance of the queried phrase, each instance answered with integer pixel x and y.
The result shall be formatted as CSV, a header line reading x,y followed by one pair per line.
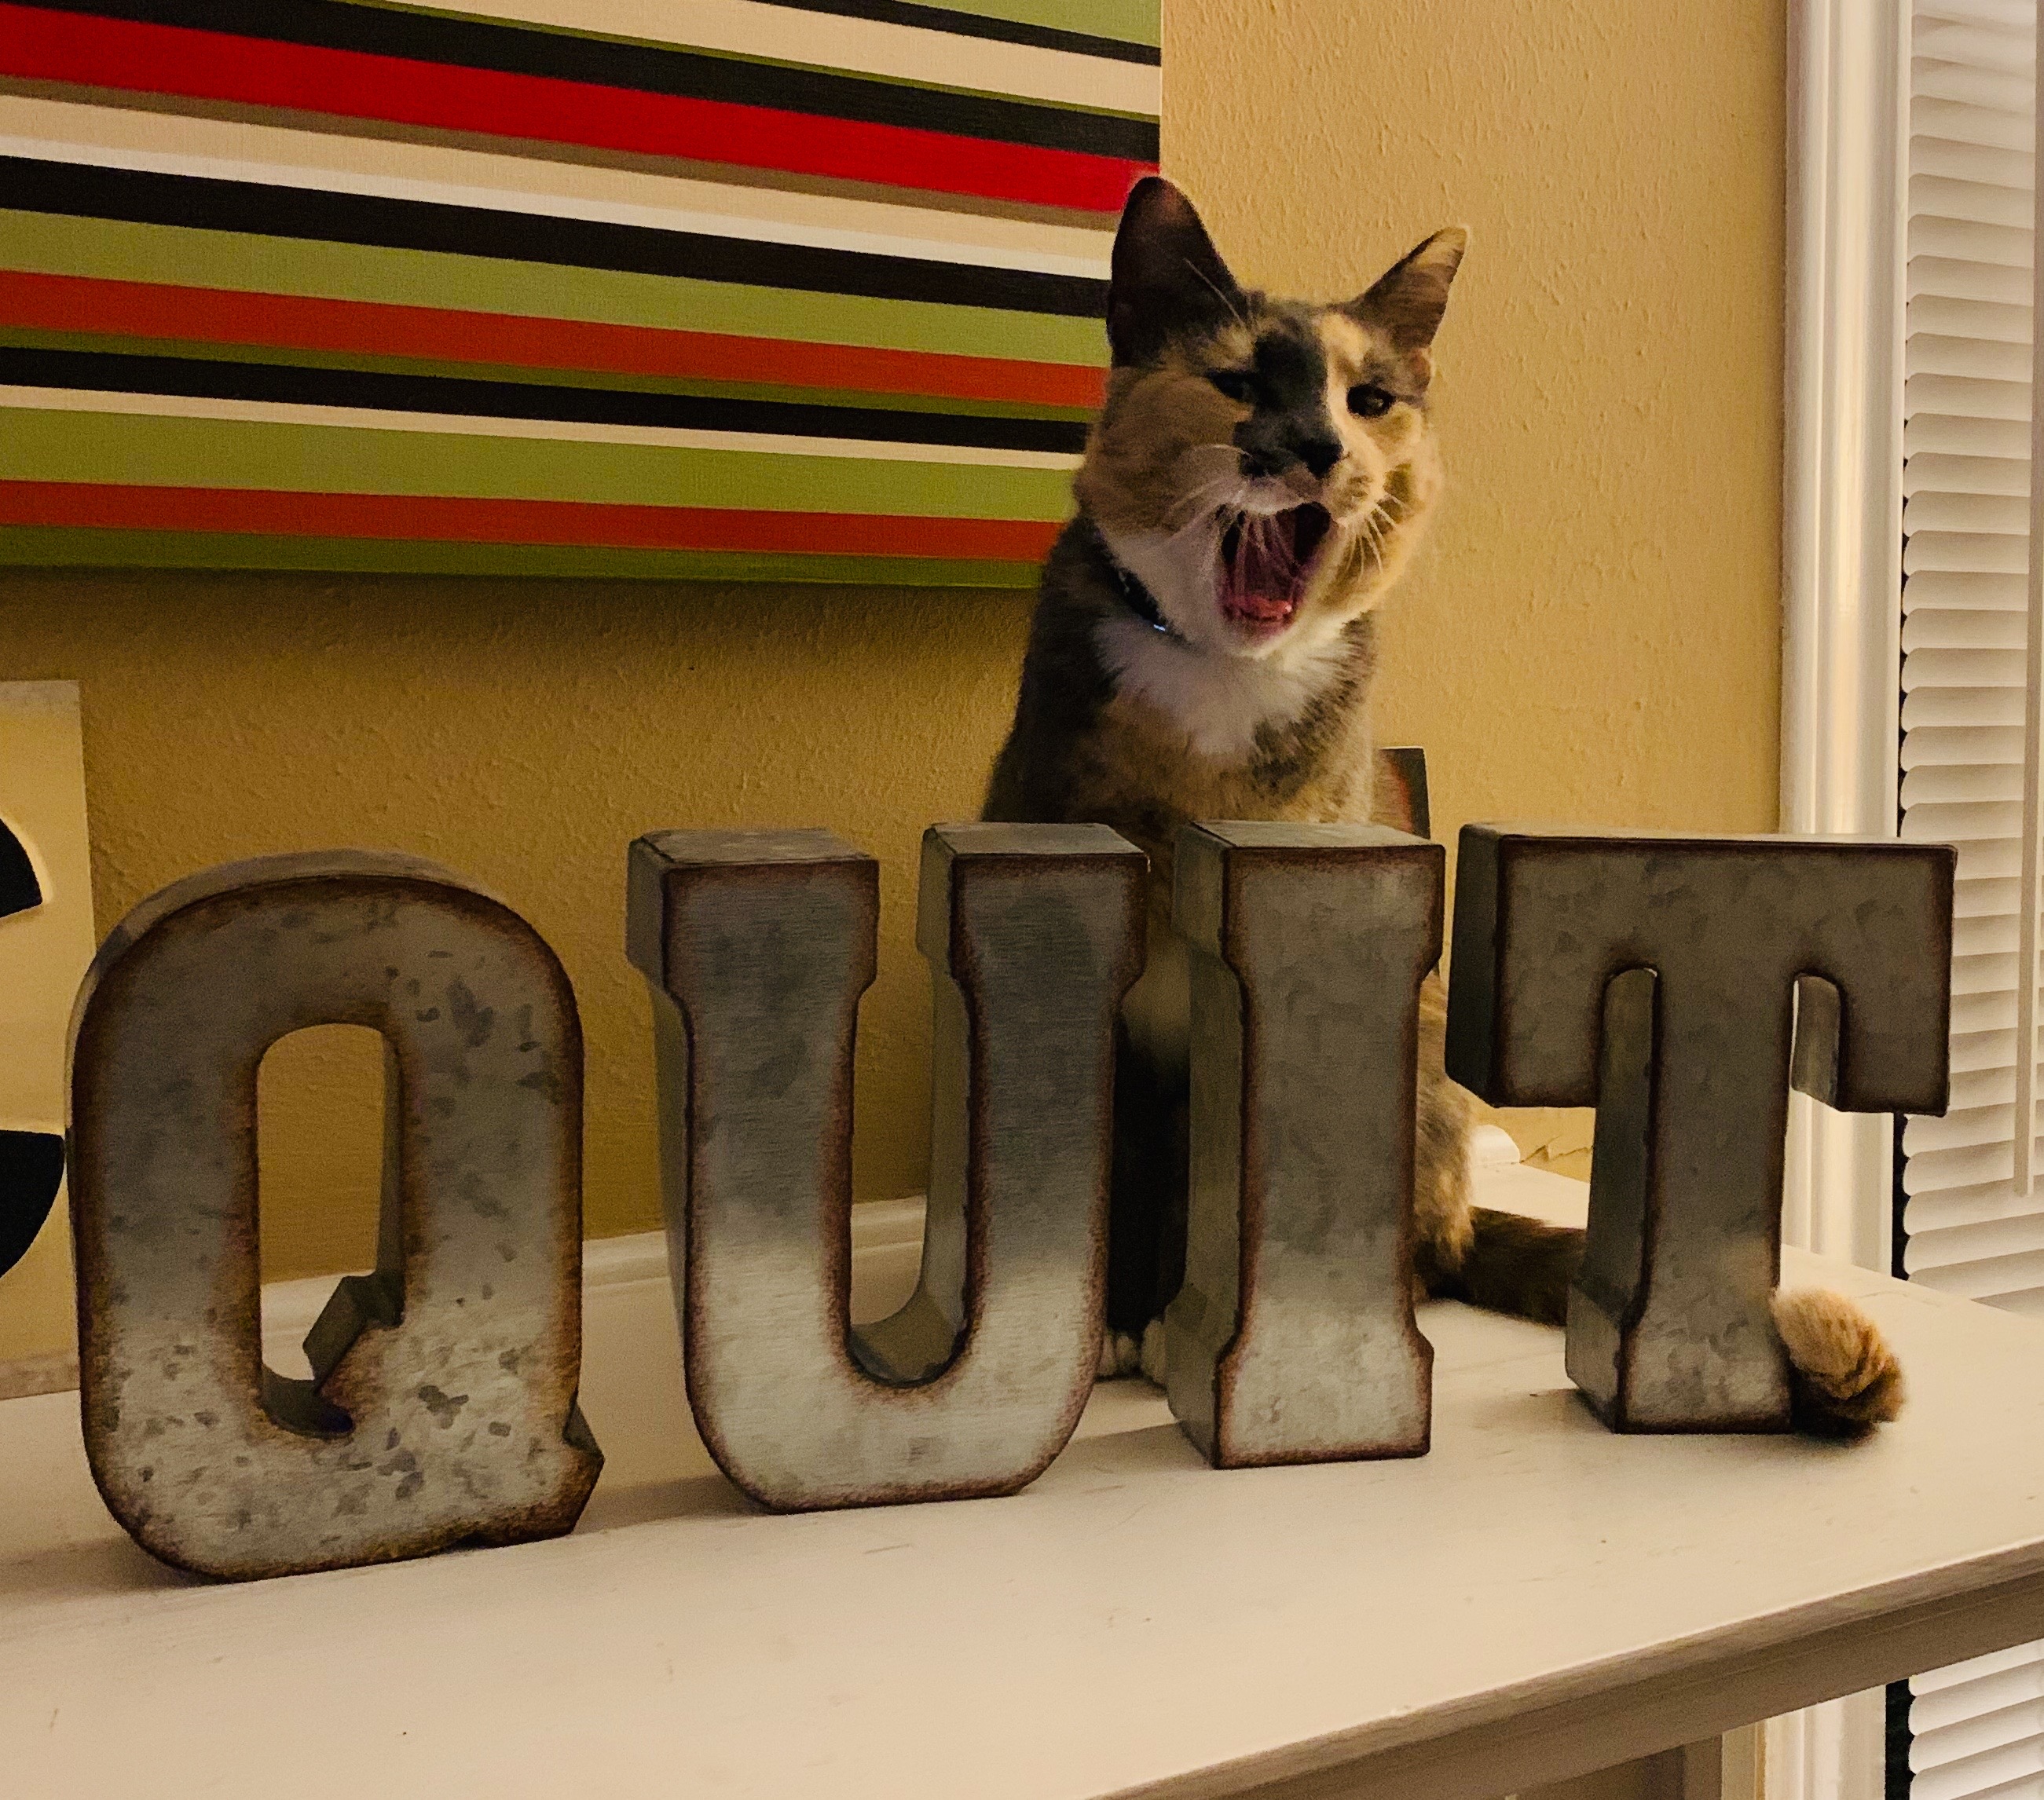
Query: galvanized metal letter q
x,y
443,1405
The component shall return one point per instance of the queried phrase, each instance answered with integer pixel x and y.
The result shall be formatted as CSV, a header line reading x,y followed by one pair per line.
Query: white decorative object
x,y
44,951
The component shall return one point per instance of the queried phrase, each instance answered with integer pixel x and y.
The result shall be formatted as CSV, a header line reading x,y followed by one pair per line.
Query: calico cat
x,y
1202,648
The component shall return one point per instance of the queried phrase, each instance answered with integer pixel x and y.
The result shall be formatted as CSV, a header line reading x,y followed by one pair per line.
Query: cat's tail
x,y
1844,1378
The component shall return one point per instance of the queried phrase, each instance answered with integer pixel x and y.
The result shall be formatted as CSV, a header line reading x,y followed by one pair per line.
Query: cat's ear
x,y
1406,302
1169,279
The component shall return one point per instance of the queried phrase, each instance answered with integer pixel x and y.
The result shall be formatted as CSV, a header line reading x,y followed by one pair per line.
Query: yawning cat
x,y
1202,648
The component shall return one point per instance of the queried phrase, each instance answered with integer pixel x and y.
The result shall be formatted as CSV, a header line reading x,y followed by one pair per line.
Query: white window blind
x,y
1978,1727
1966,522
1974,1227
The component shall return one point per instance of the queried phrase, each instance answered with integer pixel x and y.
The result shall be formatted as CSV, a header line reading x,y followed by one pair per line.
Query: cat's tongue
x,y
1266,562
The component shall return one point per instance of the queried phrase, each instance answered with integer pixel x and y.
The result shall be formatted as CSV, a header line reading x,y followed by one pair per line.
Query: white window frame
x,y
1842,631
1842,520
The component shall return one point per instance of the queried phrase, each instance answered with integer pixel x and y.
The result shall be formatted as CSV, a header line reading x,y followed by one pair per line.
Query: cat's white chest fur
x,y
1218,702
1217,698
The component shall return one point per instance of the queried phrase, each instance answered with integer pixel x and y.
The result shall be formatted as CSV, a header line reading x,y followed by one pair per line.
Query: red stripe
x,y
40,45
146,309
586,522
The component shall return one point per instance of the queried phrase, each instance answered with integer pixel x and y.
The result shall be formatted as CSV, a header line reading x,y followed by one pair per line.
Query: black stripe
x,y
384,392
83,190
509,49
1898,1252
974,24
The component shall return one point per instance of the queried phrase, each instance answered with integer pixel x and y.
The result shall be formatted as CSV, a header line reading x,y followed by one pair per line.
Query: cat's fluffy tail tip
x,y
1846,1380
1121,1353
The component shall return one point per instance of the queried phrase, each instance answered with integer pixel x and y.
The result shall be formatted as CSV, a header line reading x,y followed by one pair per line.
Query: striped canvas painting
x,y
787,290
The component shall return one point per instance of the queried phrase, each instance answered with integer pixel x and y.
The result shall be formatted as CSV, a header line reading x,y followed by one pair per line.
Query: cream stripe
x,y
768,443
821,40
227,150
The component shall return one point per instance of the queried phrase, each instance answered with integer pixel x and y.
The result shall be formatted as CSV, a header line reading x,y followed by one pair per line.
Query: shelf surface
x,y
1535,1598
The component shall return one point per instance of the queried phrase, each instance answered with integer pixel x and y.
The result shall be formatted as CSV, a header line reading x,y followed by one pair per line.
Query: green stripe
x,y
1134,22
13,337
147,449
52,546
117,249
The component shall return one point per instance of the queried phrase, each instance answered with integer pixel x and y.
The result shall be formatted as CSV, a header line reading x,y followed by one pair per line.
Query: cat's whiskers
x,y
1375,527
1212,495
1206,504
1228,300
1373,541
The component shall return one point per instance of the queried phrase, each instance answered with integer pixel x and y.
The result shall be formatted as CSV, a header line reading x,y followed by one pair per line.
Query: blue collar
x,y
1135,595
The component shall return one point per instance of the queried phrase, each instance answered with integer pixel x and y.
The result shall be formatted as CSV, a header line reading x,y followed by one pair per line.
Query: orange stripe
x,y
584,522
200,315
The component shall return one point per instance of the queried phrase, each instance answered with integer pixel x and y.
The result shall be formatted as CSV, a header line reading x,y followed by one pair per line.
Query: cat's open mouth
x,y
1266,559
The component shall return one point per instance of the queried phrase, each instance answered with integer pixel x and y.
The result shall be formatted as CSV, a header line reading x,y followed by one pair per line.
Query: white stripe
x,y
222,150
356,418
821,40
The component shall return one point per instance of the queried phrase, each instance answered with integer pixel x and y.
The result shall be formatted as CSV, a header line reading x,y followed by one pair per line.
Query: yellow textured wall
x,y
1592,633
1592,636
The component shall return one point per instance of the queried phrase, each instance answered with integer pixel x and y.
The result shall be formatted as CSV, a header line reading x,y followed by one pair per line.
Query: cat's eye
x,y
1238,384
1370,402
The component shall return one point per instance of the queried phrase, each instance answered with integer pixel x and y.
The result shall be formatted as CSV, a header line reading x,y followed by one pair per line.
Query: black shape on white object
x,y
20,891
31,1162
31,1170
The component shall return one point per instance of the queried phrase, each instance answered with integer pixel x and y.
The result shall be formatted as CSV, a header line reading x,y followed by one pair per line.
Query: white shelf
x,y
1534,1598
